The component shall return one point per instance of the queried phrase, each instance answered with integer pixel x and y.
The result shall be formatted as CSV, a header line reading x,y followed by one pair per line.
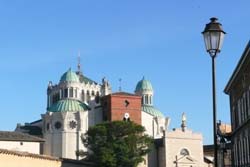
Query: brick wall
x,y
116,105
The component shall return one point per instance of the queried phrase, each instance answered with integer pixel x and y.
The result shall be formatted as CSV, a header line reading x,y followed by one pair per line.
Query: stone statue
x,y
183,122
183,118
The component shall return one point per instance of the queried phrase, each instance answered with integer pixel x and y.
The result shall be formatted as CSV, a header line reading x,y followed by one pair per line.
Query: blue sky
x,y
160,40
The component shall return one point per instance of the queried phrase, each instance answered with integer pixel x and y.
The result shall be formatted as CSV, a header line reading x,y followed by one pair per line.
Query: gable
x,y
185,160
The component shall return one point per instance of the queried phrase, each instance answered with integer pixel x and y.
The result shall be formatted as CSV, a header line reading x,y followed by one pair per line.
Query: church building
x,y
76,102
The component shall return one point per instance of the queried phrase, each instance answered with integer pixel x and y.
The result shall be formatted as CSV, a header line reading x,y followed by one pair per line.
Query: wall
x,y
147,122
31,147
238,89
177,140
65,141
153,125
114,107
9,160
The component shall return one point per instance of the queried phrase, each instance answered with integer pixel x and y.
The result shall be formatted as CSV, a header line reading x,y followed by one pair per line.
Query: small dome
x,y
143,85
152,111
69,76
68,105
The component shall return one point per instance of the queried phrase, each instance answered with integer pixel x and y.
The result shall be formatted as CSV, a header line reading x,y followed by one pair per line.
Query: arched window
x,y
71,92
97,98
184,152
65,93
146,99
88,95
75,93
93,93
83,95
60,94
55,97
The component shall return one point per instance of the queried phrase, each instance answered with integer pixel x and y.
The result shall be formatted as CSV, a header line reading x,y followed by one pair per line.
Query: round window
x,y
184,152
58,125
72,124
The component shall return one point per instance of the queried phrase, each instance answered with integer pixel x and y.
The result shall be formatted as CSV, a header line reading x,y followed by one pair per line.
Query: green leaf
x,y
116,144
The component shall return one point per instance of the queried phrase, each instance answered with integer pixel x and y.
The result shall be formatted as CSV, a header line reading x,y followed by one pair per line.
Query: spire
x,y
79,62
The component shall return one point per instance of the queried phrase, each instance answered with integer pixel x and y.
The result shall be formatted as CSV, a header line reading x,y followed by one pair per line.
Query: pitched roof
x,y
26,154
18,136
84,79
208,159
35,122
124,94
238,68
31,130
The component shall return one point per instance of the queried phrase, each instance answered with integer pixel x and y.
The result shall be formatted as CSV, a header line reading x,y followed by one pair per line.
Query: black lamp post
x,y
213,36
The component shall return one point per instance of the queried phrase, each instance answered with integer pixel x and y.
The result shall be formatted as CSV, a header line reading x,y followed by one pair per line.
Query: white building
x,y
73,105
152,119
17,141
182,147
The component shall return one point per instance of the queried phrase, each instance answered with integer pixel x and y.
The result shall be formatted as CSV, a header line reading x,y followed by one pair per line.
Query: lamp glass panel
x,y
222,35
215,40
207,40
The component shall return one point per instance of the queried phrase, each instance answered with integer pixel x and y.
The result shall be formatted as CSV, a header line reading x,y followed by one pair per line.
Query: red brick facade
x,y
117,104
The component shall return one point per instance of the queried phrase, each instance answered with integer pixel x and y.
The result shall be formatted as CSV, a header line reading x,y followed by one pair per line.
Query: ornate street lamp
x,y
213,36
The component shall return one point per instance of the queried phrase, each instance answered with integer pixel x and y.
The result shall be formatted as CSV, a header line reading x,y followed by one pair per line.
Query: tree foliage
x,y
117,144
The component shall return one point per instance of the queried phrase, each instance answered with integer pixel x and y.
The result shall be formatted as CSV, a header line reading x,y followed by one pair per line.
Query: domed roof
x,y
152,111
68,105
143,85
69,76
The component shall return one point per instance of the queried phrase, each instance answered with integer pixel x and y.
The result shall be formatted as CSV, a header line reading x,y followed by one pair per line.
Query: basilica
x,y
76,102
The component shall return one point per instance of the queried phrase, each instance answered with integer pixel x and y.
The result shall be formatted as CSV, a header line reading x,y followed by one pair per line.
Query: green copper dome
x,y
69,76
68,105
152,111
143,85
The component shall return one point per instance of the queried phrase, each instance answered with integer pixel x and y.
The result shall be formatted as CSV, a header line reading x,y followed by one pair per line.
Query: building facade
x,y
17,141
76,102
10,158
182,147
238,89
122,106
72,106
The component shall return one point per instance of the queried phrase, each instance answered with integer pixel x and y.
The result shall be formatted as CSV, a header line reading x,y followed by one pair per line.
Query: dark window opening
x,y
55,98
47,126
75,93
184,152
71,91
65,93
97,98
83,98
58,125
88,96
